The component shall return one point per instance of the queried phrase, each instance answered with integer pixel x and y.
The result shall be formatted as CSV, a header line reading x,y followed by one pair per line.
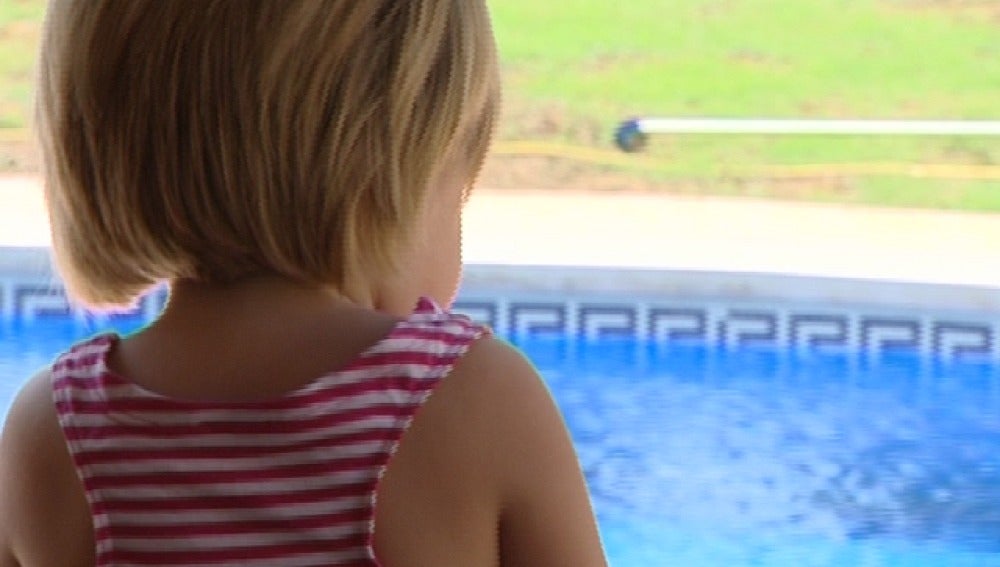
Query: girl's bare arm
x,y
546,519
44,520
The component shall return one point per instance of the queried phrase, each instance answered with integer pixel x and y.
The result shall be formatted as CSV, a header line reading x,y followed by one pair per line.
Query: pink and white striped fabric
x,y
289,481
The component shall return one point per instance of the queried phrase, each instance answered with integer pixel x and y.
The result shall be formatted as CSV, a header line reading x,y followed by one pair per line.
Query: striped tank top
x,y
289,481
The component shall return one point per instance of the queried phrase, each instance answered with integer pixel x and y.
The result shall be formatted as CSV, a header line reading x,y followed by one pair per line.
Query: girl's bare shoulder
x,y
44,516
546,515
488,457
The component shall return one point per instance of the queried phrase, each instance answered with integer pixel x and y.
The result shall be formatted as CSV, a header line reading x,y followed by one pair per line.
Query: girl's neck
x,y
258,292
250,340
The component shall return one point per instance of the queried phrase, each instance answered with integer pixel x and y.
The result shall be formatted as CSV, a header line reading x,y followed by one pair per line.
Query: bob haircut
x,y
216,140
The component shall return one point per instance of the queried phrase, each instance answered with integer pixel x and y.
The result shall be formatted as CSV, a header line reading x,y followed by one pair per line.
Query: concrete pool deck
x,y
954,253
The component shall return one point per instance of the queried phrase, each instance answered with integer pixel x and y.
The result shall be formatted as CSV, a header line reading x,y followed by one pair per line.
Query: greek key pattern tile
x,y
802,329
36,301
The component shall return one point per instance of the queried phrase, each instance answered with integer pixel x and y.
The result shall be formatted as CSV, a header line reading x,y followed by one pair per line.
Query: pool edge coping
x,y
34,264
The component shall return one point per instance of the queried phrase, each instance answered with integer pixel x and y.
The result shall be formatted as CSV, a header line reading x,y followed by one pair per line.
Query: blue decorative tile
x,y
34,301
718,322
532,318
742,328
811,331
957,340
666,324
600,321
879,334
146,310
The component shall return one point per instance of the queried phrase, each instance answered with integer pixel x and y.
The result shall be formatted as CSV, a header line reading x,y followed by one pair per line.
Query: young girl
x,y
295,170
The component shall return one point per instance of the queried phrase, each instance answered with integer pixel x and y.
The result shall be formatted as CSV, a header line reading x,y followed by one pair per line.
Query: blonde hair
x,y
219,139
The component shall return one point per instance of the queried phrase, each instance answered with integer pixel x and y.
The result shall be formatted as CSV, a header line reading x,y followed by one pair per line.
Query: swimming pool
x,y
709,457
739,435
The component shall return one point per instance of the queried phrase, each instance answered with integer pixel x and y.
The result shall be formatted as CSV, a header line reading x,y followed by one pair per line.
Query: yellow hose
x,y
598,156
615,158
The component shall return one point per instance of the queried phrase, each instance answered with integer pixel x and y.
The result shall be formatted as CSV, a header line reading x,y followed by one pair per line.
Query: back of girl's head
x,y
220,139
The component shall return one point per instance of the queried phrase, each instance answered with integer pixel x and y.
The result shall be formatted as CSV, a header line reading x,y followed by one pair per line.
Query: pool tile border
x,y
730,323
802,328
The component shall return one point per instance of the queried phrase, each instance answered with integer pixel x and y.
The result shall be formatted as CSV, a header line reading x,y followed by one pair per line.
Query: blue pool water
x,y
700,457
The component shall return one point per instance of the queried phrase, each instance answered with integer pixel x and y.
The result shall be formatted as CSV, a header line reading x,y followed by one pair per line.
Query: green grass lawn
x,y
750,57
20,21
573,69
